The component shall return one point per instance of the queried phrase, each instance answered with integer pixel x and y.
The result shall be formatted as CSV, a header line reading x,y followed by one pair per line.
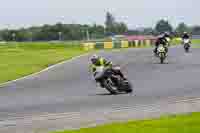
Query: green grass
x,y
175,42
189,123
195,43
21,59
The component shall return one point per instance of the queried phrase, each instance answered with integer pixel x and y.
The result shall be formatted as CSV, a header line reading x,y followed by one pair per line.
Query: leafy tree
x,y
196,30
110,23
163,26
148,31
121,28
112,26
182,27
96,31
132,32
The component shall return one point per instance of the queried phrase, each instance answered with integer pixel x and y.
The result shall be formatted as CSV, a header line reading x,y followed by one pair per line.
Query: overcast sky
x,y
136,13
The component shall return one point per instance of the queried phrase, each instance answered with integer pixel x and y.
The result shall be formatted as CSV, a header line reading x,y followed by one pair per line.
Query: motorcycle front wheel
x,y
162,57
186,48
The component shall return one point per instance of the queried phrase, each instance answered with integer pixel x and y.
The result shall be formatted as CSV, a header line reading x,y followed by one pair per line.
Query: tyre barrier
x,y
117,44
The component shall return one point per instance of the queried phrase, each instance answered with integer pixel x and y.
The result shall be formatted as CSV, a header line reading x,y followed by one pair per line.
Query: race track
x,y
67,97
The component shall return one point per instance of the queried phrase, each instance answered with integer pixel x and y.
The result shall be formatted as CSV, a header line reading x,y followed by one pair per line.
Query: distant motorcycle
x,y
111,82
161,52
186,43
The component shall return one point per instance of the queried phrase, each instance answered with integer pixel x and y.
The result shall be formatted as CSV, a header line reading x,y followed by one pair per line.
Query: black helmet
x,y
161,36
166,34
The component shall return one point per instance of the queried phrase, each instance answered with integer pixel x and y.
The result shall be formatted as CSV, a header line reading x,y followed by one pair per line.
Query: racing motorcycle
x,y
111,81
161,52
186,43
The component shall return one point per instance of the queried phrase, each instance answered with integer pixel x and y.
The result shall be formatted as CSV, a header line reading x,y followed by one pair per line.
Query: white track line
x,y
51,67
44,70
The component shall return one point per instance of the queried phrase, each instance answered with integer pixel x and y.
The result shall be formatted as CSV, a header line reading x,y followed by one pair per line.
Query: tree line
x,y
164,26
61,31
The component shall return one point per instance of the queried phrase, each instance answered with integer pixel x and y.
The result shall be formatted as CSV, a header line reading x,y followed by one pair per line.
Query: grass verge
x,y
196,45
195,42
21,59
189,123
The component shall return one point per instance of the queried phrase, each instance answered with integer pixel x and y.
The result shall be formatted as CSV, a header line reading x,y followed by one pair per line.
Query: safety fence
x,y
117,44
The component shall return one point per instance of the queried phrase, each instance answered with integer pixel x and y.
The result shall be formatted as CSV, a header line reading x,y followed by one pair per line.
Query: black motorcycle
x,y
113,82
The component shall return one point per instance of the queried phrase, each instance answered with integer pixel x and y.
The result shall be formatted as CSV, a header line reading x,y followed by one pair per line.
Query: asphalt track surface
x,y
62,96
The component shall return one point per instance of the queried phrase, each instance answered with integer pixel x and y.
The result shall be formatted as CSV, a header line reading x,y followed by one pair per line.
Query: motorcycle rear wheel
x,y
127,87
110,88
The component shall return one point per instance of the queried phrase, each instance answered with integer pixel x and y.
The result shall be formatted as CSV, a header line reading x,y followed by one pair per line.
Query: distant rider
x,y
97,61
185,36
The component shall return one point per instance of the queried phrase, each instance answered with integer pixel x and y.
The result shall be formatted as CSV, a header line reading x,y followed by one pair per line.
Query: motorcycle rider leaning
x,y
97,61
161,40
